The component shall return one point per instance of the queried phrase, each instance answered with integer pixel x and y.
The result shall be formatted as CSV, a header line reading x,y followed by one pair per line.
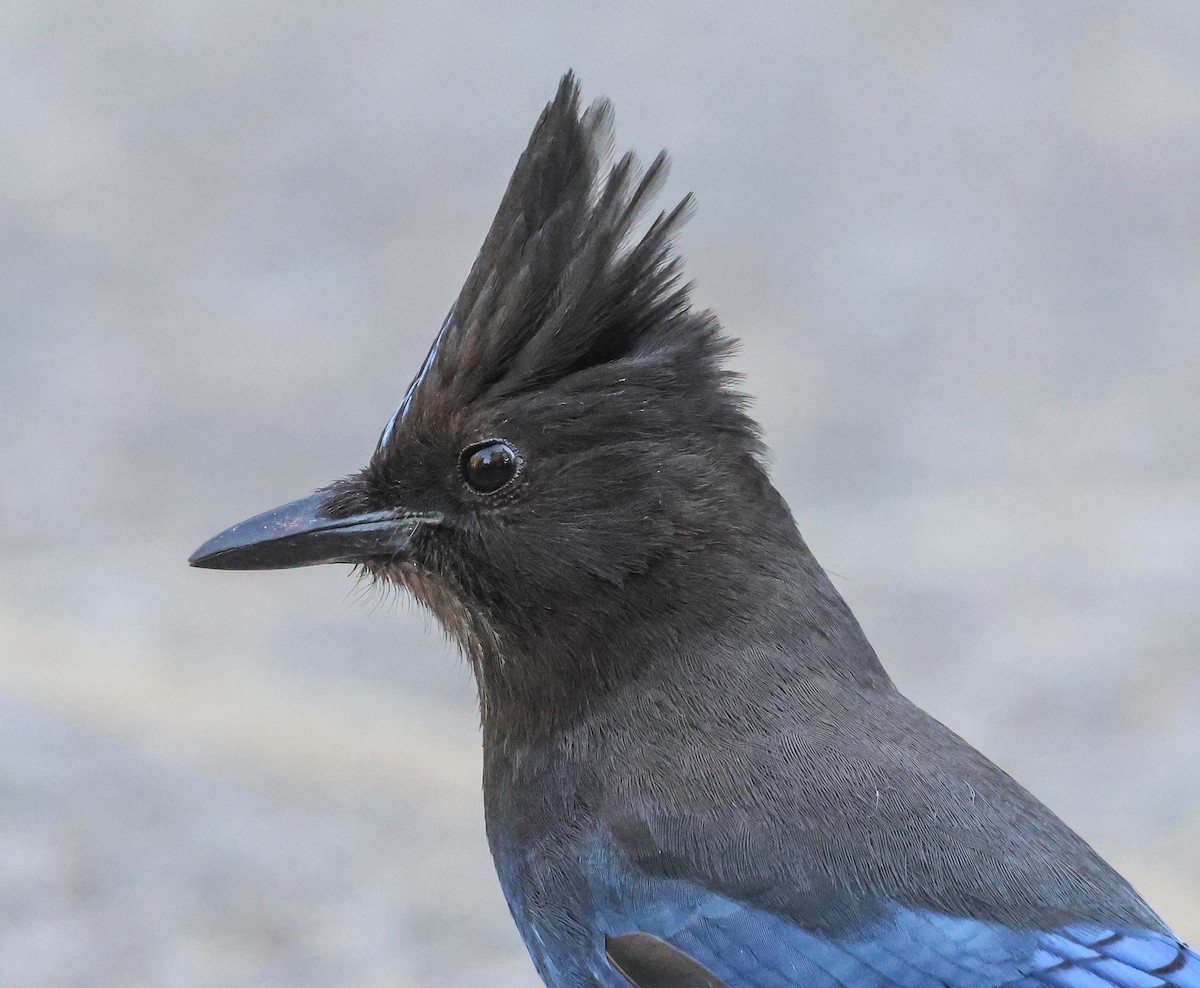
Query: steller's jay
x,y
696,771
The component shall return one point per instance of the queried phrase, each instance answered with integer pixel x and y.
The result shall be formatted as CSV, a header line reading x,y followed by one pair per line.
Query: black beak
x,y
300,534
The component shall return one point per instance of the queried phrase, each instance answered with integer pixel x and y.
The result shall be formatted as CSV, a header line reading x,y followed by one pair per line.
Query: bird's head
x,y
570,461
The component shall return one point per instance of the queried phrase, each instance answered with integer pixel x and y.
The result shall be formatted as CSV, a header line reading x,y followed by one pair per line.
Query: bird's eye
x,y
488,466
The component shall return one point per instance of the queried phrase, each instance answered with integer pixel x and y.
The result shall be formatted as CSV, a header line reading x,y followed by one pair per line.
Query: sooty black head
x,y
573,424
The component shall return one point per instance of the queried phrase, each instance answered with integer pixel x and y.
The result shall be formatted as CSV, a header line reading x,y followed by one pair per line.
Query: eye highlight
x,y
489,465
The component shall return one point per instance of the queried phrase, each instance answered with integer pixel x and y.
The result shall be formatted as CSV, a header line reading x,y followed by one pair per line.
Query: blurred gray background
x,y
959,242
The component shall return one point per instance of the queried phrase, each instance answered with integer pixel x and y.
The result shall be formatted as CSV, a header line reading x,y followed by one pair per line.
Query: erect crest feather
x,y
557,285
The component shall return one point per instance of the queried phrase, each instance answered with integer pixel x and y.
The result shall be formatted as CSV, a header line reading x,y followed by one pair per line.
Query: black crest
x,y
558,285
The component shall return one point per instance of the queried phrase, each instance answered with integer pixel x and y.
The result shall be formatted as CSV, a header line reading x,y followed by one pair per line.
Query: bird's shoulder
x,y
817,791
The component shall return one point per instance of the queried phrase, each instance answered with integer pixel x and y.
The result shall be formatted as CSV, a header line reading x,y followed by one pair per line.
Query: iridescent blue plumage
x,y
406,402
747,947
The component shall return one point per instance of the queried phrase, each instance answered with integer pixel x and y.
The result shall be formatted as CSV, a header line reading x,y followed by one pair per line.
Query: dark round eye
x,y
488,466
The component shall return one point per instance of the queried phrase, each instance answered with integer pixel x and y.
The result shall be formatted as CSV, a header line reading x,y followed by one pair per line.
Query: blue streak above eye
x,y
401,412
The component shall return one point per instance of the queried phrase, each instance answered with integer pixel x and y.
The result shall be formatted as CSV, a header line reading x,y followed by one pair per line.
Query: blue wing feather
x,y
565,907
750,948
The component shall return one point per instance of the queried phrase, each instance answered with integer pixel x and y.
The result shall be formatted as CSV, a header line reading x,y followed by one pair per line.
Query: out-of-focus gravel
x,y
958,243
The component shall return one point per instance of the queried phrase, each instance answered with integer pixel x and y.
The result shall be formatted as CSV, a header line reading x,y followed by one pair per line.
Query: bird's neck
x,y
541,677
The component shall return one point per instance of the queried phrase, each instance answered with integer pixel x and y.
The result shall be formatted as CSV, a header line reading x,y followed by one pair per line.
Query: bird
x,y
697,773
